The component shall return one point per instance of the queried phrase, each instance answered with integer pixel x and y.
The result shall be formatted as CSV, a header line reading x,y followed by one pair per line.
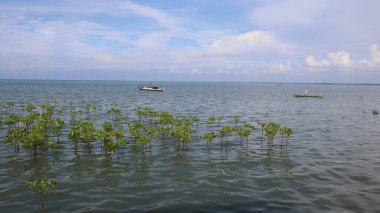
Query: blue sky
x,y
192,40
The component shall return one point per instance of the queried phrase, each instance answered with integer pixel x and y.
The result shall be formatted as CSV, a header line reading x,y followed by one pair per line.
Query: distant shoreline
x,y
179,81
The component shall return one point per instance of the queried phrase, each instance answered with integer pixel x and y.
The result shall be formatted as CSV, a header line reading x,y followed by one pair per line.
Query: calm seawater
x,y
332,163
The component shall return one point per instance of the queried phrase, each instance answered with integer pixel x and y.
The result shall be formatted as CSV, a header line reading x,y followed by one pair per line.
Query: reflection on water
x,y
331,163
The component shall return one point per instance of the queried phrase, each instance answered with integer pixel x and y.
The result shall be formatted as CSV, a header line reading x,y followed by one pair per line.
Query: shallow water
x,y
332,162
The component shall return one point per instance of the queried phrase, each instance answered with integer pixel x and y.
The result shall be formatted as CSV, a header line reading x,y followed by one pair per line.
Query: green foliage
x,y
182,133
42,186
30,119
244,131
111,138
226,131
37,137
15,136
115,113
58,125
12,120
285,132
83,132
209,137
74,134
47,111
271,130
29,108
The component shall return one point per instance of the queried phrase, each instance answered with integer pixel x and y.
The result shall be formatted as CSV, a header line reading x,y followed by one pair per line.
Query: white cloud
x,y
282,68
165,19
310,61
375,54
340,58
253,41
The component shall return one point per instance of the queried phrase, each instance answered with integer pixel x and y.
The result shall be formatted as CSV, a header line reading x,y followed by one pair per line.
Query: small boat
x,y
306,95
151,88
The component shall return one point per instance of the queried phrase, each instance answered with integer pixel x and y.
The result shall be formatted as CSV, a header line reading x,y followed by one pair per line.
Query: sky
x,y
313,41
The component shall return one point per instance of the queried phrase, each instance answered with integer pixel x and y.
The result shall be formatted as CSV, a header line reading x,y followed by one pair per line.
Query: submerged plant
x,y
111,138
262,125
271,130
58,125
181,132
15,136
37,138
226,131
208,137
236,119
285,132
42,187
245,131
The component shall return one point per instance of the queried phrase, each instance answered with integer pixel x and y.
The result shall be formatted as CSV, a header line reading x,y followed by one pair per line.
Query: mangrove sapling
x,y
73,114
226,131
195,119
42,187
47,111
58,125
150,133
115,114
142,140
75,136
37,137
262,124
270,131
236,120
87,132
210,123
30,119
9,106
12,121
219,120
30,108
15,136
208,137
244,131
285,132
182,133
163,129
110,138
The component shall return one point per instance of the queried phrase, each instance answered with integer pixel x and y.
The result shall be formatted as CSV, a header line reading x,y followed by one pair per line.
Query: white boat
x,y
151,88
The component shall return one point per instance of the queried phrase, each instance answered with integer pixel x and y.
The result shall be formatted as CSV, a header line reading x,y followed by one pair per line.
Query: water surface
x,y
331,164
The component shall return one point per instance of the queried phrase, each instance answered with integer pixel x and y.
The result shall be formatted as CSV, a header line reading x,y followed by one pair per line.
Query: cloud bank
x,y
174,40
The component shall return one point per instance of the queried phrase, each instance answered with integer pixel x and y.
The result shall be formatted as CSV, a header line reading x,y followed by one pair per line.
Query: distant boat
x,y
306,95
151,88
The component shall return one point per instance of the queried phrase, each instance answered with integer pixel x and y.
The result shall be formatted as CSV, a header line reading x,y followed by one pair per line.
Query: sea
x,y
331,163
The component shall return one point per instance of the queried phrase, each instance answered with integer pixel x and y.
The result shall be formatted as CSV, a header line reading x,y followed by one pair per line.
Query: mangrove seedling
x,y
244,131
219,119
37,137
111,138
271,130
58,125
210,122
262,124
226,131
42,187
15,136
285,132
182,133
236,120
208,137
